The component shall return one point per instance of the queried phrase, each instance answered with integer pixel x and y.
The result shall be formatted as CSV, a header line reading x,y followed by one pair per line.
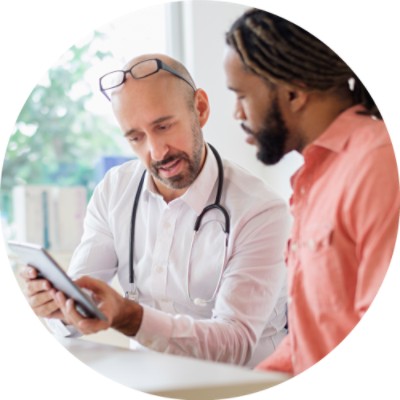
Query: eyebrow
x,y
234,89
155,122
162,119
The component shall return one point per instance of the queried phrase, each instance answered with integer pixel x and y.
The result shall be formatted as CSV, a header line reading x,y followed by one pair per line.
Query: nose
x,y
239,113
158,148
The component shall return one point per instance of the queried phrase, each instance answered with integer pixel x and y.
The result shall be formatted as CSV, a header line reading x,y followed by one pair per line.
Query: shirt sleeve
x,y
95,255
251,287
372,211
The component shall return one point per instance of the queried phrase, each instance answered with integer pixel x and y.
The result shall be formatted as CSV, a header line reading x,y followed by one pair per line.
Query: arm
x,y
371,212
252,283
247,299
95,254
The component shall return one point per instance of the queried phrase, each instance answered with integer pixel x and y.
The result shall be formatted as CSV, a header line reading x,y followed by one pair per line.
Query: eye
x,y
163,127
134,138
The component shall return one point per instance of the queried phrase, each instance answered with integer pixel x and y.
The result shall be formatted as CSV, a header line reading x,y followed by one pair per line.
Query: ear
x,y
295,98
202,106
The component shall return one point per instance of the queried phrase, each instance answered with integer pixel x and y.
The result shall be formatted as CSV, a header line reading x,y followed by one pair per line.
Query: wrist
x,y
130,319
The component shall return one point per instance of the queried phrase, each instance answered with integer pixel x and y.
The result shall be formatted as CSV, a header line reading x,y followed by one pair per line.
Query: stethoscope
x,y
133,292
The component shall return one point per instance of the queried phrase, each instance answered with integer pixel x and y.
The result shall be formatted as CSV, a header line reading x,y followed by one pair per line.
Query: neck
x,y
322,112
170,194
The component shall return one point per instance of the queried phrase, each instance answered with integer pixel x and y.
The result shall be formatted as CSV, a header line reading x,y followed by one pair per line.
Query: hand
x,y
122,314
38,292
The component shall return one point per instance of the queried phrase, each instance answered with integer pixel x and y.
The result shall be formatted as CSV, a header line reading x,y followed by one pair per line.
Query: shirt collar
x,y
334,138
199,191
338,133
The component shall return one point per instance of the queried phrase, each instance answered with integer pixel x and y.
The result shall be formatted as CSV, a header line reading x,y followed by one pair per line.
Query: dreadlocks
x,y
278,50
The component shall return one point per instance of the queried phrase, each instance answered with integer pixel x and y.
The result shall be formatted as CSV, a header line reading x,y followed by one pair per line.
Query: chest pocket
x,y
313,243
318,241
317,265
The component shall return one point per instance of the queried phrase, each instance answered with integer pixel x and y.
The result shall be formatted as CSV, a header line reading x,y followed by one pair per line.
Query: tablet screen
x,y
37,257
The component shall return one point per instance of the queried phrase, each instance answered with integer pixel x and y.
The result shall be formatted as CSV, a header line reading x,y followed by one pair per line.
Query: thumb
x,y
92,284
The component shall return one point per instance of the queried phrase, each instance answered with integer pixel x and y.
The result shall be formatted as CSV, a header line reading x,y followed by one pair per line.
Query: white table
x,y
175,376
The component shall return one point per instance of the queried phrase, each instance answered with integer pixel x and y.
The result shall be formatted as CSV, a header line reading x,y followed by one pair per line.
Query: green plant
x,y
56,139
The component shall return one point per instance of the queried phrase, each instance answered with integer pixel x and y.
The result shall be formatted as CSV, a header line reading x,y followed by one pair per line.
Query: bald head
x,y
169,61
160,68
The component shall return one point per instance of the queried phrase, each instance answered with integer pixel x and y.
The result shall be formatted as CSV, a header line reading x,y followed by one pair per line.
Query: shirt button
x,y
312,245
289,300
159,269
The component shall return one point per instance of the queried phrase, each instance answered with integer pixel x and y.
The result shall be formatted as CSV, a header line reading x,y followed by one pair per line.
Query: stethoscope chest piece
x,y
132,293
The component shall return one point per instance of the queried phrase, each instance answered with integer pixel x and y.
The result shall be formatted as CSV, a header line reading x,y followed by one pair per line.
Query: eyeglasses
x,y
140,70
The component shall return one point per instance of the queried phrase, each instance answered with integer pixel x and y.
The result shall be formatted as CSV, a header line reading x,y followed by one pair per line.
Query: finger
x,y
96,286
40,298
47,310
59,298
56,314
67,307
27,272
35,286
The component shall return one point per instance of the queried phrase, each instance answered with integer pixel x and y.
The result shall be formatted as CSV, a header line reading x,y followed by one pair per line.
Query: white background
x,y
33,35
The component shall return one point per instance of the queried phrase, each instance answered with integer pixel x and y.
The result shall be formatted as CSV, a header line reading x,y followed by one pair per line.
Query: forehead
x,y
152,90
237,75
142,101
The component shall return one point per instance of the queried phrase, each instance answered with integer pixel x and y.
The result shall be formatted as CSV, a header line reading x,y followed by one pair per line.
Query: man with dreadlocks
x,y
295,93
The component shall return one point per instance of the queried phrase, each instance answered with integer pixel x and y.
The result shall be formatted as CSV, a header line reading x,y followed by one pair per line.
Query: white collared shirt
x,y
245,321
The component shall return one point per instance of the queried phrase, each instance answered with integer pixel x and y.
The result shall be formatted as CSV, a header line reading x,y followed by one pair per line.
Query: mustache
x,y
247,129
171,158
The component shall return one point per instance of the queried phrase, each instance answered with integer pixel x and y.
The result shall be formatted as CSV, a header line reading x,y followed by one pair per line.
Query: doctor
x,y
210,287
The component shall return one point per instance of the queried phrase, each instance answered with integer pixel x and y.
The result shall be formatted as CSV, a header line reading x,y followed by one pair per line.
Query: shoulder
x,y
123,172
249,189
253,205
368,146
120,179
367,135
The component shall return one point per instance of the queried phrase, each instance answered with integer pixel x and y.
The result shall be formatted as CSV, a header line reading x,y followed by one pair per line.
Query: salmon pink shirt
x,y
345,205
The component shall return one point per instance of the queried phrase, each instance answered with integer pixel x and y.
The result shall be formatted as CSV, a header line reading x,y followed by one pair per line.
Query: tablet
x,y
37,257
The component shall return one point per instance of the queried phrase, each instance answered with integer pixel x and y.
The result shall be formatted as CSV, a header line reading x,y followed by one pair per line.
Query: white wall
x,y
203,41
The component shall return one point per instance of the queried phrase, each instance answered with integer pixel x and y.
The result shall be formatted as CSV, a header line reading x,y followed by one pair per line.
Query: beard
x,y
193,162
272,137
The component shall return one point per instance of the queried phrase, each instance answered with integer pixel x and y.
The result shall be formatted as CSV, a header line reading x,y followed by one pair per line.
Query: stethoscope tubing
x,y
216,205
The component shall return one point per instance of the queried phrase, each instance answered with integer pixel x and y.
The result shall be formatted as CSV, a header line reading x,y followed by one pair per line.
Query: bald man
x,y
217,293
